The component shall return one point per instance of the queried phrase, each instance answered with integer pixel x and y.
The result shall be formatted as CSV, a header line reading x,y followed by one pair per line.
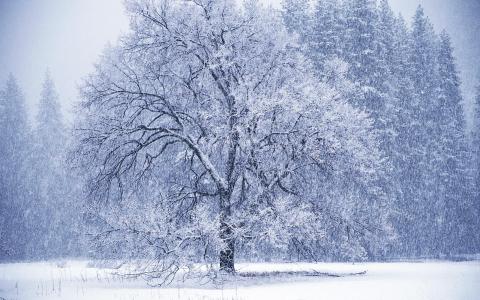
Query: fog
x,y
64,36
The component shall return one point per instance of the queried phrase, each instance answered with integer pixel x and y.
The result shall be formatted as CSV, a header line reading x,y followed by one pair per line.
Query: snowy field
x,y
409,281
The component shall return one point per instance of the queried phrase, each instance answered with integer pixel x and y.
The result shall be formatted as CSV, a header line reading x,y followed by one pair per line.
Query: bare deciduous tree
x,y
204,128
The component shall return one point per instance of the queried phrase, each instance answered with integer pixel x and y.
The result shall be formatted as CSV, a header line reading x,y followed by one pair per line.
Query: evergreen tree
x,y
360,42
351,31
408,83
387,44
325,37
422,188
454,213
476,169
53,209
404,121
296,17
13,187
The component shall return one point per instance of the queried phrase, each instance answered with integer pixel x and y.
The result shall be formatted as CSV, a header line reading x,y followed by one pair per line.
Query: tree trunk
x,y
227,255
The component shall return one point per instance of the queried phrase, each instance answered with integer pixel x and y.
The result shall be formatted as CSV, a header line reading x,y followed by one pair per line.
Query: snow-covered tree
x,y
388,40
361,43
14,135
419,191
476,167
456,213
325,34
52,213
295,14
204,131
403,117
404,79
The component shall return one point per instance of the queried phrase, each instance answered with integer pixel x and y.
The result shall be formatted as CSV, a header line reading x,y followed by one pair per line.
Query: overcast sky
x,y
67,36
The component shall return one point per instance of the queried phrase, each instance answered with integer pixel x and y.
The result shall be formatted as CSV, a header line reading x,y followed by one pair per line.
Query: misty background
x,y
67,38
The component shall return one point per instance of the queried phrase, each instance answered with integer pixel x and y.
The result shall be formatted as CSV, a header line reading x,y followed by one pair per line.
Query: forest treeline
x,y
41,200
371,161
407,79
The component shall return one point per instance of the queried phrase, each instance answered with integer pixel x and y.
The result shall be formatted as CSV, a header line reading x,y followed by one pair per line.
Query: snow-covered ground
x,y
75,280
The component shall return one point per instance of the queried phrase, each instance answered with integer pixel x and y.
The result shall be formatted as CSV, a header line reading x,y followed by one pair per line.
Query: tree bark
x,y
227,254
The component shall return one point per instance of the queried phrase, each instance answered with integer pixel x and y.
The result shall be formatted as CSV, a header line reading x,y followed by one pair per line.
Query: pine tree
x,y
54,211
360,41
403,117
424,133
296,17
13,187
454,215
475,171
325,38
408,82
387,42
